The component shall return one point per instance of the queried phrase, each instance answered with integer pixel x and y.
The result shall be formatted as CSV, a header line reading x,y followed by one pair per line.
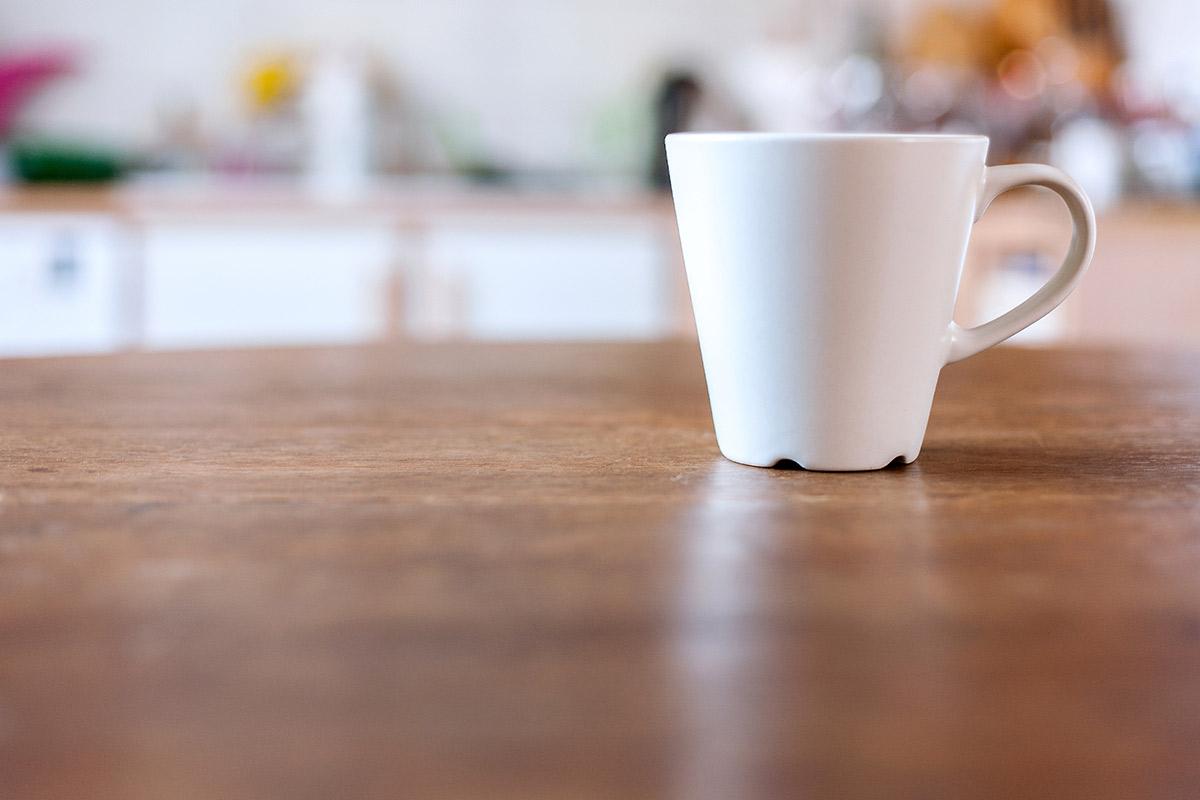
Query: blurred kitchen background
x,y
250,172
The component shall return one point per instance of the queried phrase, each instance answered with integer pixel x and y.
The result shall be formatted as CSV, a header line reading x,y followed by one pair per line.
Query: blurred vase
x,y
20,75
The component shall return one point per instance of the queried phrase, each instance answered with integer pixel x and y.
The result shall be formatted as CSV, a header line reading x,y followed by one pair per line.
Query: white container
x,y
823,271
337,118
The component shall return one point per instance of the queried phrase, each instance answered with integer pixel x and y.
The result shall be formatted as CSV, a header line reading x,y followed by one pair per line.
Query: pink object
x,y
21,74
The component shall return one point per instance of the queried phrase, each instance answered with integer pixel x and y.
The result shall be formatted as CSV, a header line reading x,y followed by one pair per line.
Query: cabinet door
x,y
282,283
529,279
60,287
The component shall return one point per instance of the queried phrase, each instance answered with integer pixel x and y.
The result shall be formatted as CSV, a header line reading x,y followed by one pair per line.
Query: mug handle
x,y
965,342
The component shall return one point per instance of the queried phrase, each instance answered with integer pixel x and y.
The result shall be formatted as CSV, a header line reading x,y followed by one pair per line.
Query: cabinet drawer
x,y
229,285
60,285
542,282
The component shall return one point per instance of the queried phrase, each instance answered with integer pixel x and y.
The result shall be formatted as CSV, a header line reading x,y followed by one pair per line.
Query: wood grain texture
x,y
525,572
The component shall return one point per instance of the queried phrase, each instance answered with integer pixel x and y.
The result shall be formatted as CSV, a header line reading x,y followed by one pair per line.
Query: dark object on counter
x,y
675,104
485,172
44,161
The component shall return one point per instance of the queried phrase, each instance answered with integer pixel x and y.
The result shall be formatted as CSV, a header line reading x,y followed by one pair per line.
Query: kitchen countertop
x,y
413,199
523,571
400,201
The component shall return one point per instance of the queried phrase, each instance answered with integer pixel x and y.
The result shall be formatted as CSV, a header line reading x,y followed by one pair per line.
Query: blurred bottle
x,y
336,108
857,81
675,105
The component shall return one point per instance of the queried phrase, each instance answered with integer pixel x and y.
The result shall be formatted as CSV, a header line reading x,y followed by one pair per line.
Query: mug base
x,y
824,464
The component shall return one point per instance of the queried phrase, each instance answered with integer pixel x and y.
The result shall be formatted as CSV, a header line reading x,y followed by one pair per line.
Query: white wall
x,y
1164,56
531,75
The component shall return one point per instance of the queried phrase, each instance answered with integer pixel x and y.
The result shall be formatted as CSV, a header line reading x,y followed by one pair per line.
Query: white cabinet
x,y
536,279
212,274
255,283
61,281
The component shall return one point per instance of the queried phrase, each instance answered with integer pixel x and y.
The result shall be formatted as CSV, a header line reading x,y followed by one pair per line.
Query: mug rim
x,y
767,136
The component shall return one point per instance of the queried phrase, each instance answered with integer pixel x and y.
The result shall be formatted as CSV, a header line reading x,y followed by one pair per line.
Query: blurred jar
x,y
1164,157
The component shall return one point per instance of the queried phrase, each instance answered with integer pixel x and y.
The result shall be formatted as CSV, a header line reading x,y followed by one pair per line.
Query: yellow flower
x,y
271,82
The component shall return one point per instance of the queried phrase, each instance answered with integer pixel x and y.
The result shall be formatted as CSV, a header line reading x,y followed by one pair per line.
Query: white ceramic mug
x,y
823,271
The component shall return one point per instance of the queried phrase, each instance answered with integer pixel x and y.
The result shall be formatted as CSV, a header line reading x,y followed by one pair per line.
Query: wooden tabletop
x,y
524,572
